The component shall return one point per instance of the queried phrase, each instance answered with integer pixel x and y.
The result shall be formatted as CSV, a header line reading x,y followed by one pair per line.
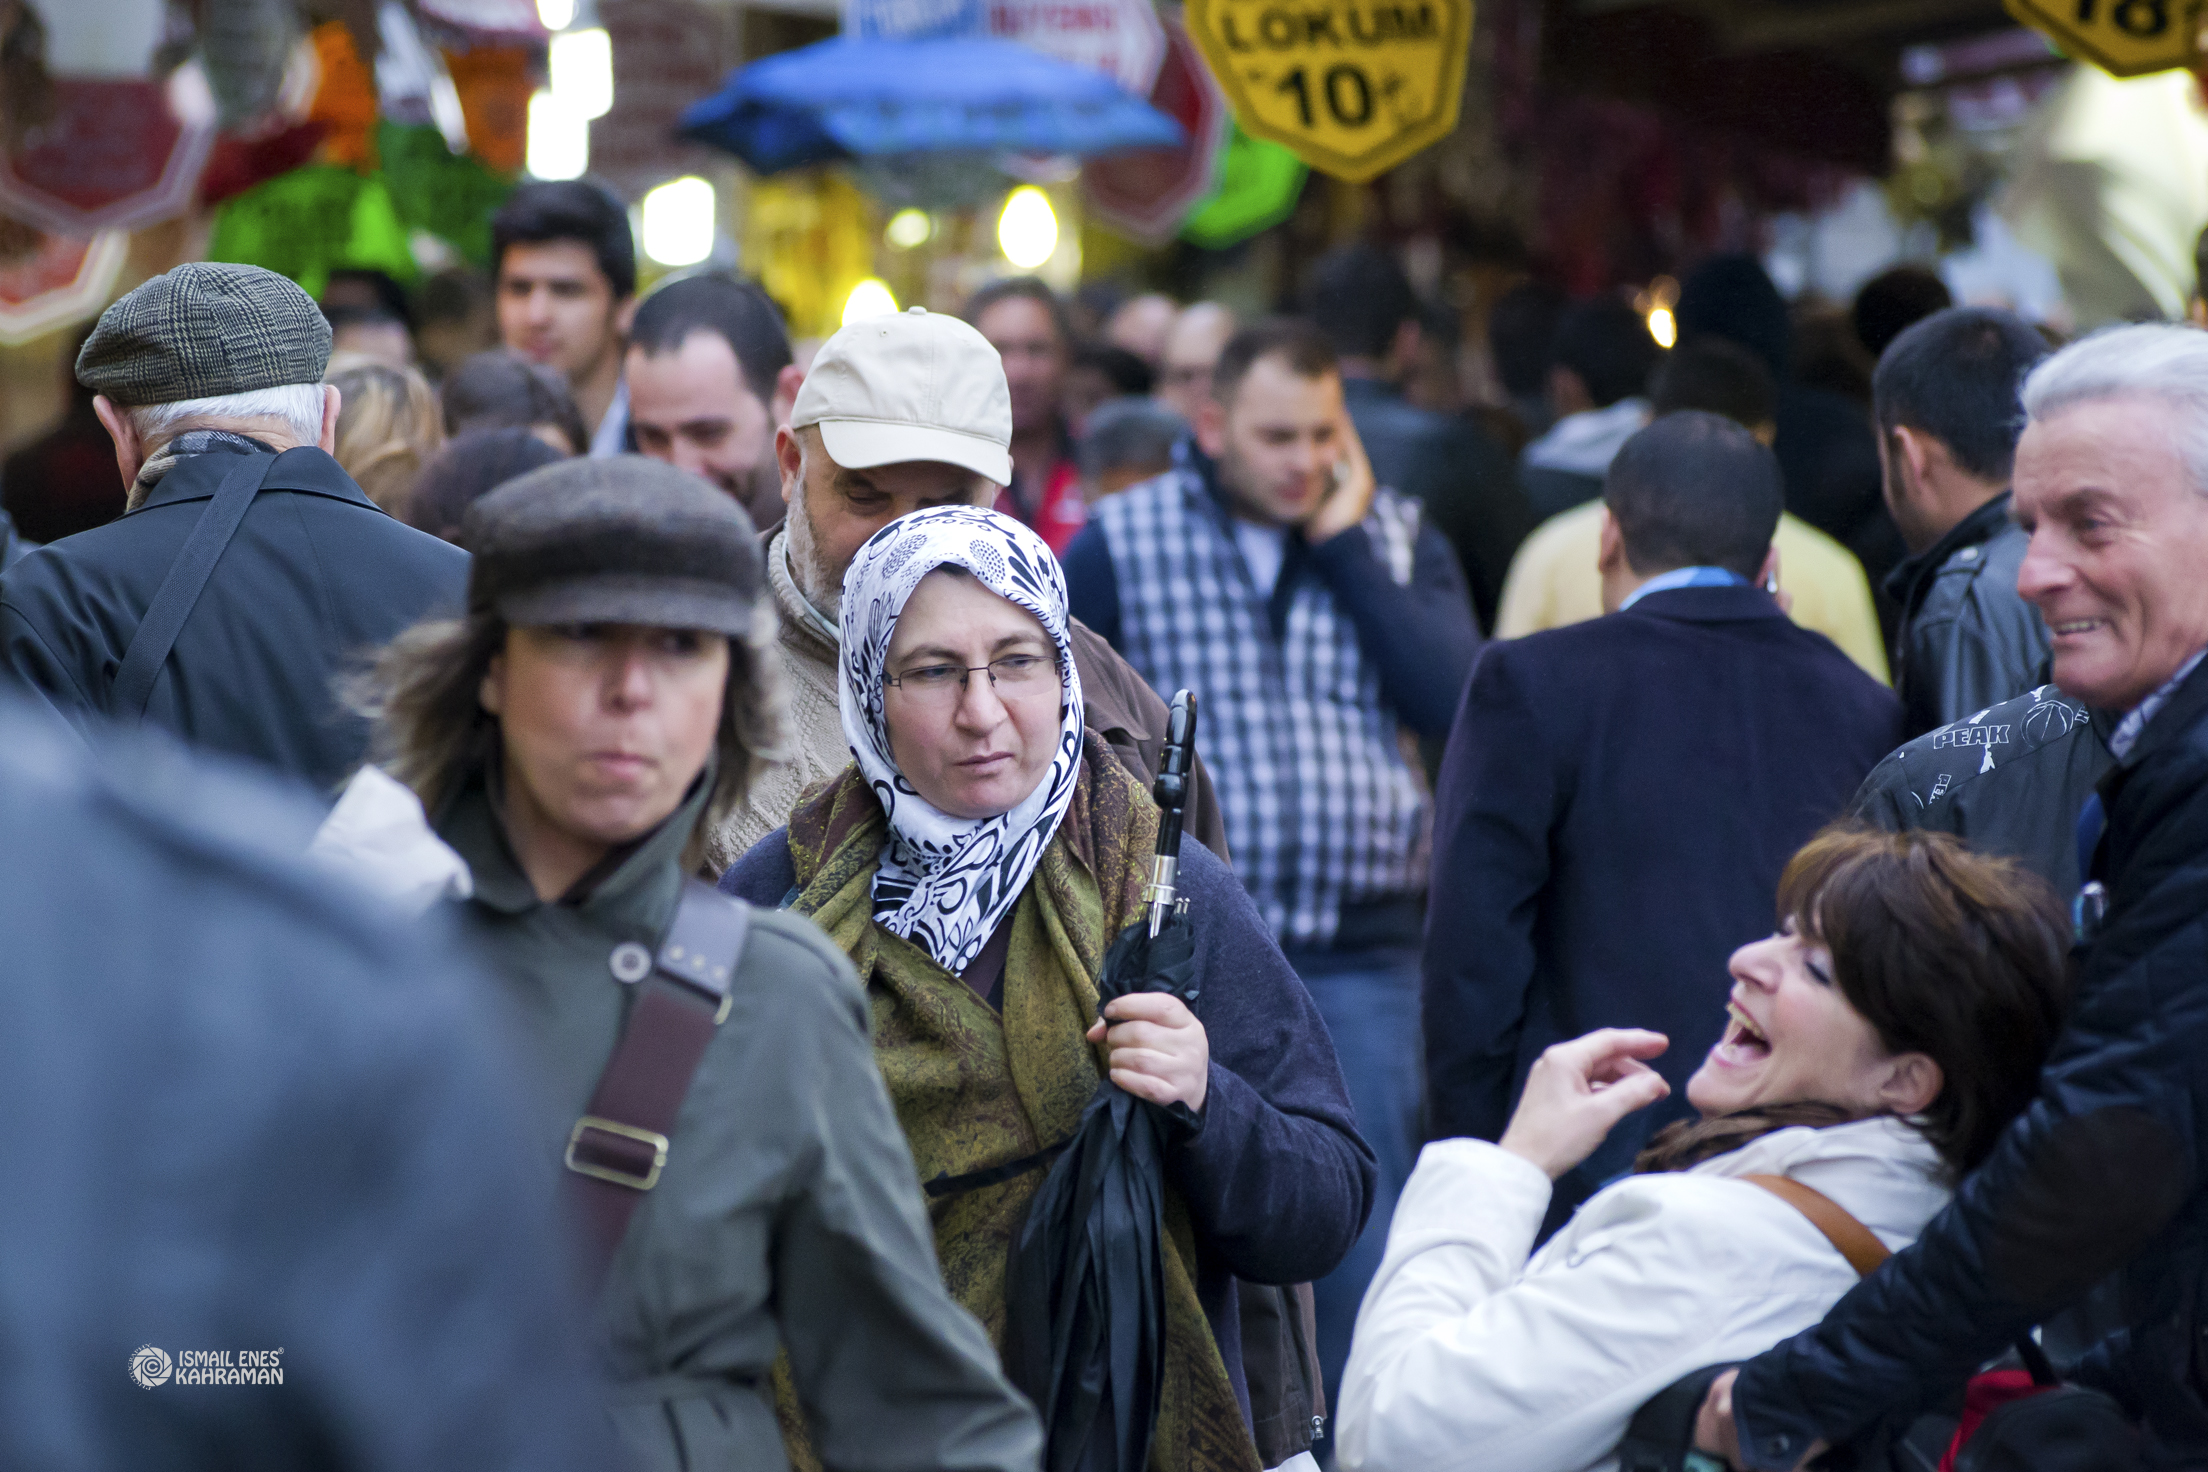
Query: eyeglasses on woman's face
x,y
1014,677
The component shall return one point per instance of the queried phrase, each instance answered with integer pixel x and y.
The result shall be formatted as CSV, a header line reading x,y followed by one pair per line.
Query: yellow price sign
x,y
2125,38
1354,87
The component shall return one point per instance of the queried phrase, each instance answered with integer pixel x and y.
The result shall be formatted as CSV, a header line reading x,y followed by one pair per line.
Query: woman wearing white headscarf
x,y
974,862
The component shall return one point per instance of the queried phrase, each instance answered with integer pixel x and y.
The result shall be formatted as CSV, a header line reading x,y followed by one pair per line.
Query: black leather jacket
x,y
1967,640
2105,1170
2009,780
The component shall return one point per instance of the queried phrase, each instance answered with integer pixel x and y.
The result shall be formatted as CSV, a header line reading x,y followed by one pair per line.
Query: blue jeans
x,y
1369,999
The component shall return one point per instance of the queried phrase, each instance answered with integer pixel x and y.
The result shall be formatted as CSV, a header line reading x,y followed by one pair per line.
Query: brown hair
x,y
424,692
1960,956
1308,353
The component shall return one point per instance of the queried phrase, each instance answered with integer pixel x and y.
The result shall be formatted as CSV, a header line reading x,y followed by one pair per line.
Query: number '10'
x,y
1349,95
2142,18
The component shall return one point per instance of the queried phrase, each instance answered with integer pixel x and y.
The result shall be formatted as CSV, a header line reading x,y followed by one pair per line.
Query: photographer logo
x,y
149,1366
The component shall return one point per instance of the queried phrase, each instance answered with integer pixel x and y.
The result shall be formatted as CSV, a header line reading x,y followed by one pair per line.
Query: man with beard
x,y
710,378
1322,618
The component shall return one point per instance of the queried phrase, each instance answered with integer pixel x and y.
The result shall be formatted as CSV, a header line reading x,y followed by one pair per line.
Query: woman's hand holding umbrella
x,y
1158,1050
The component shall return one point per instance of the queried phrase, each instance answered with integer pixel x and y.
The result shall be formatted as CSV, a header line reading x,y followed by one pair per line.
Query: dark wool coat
x,y
2101,1174
317,576
1616,804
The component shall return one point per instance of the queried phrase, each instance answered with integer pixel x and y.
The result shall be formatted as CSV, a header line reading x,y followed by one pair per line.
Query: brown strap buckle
x,y
616,1160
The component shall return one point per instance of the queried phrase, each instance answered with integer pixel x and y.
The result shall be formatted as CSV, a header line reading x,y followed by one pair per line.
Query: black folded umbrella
x,y
1085,1286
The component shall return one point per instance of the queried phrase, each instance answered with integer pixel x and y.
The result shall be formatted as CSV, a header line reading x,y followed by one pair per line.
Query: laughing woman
x,y
974,864
1879,1043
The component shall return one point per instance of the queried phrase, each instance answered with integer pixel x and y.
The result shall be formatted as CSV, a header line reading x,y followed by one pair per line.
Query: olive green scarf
x,y
974,1090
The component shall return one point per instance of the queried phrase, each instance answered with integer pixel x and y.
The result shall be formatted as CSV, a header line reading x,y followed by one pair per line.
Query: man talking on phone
x,y
1319,617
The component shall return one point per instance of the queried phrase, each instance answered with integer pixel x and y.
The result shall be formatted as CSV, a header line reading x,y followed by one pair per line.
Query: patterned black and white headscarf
x,y
945,883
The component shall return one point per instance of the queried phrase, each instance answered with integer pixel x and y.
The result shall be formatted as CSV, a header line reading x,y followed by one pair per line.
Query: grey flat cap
x,y
202,330
619,541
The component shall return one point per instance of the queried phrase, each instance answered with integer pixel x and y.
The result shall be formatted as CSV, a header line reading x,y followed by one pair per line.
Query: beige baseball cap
x,y
910,386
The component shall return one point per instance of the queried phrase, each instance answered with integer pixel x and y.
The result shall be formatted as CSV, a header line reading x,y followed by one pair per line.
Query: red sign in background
x,y
113,155
1146,194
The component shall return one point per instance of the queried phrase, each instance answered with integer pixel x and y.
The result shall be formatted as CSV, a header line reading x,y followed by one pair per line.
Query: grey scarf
x,y
191,442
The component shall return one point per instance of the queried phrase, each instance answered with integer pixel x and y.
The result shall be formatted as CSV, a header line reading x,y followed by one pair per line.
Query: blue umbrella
x,y
848,98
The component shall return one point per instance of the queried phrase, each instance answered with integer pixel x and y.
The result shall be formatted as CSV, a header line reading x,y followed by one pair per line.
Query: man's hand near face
x,y
1351,499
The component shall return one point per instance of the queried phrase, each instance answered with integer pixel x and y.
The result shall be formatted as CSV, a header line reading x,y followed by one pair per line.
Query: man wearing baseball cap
x,y
901,412
247,566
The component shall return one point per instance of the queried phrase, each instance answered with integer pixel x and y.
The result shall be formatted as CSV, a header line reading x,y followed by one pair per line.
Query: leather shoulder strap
x,y
179,593
617,1149
1854,1241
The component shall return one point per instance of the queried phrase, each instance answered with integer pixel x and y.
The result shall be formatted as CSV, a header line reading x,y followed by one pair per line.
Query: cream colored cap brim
x,y
862,444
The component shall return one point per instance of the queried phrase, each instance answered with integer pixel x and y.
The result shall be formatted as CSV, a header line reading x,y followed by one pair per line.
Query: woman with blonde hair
x,y
388,425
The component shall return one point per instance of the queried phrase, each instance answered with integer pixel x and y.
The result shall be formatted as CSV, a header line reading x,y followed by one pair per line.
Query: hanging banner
x,y
1121,38
65,280
1354,87
1144,195
2125,38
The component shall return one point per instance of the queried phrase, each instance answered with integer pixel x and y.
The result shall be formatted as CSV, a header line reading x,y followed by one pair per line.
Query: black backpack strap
x,y
179,593
617,1149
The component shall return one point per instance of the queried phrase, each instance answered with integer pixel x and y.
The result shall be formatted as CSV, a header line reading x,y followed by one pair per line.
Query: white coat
x,y
1469,1356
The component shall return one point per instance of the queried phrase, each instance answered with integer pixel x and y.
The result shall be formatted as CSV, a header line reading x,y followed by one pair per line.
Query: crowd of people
x,y
1693,895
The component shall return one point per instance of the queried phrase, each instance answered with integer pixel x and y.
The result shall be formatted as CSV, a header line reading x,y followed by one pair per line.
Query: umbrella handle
x,y
1175,775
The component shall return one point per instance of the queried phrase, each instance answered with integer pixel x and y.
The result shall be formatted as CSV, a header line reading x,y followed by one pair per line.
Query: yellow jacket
x,y
1553,581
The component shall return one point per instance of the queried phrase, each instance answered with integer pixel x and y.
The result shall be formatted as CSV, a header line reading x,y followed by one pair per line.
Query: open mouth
x,y
2075,626
1743,1043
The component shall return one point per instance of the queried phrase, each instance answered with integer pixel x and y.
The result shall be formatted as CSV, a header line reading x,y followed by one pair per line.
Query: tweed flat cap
x,y
202,330
620,541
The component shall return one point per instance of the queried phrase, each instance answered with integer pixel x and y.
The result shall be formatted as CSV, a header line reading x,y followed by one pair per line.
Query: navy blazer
x,y
1617,801
317,577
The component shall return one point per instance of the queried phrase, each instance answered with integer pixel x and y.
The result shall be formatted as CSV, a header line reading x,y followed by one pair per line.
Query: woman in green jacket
x,y
601,705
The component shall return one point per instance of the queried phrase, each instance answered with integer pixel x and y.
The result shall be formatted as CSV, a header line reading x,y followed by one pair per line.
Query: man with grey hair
x,y
1125,441
247,567
2106,1169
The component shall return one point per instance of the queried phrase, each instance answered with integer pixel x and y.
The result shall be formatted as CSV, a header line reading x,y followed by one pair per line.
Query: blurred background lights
x,y
870,298
678,222
559,139
1027,231
557,15
908,228
581,64
1655,304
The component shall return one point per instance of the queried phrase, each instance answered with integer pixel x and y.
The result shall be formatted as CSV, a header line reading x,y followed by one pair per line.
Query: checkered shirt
x,y
1321,807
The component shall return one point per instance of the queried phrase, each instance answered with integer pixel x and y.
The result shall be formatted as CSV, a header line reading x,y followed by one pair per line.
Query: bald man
x,y
1191,351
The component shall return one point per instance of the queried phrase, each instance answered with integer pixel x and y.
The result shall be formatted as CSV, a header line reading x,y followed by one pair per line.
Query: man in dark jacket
x,y
1600,361
249,568
2104,1170
1364,303
2009,780
268,1123
1945,399
1619,796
